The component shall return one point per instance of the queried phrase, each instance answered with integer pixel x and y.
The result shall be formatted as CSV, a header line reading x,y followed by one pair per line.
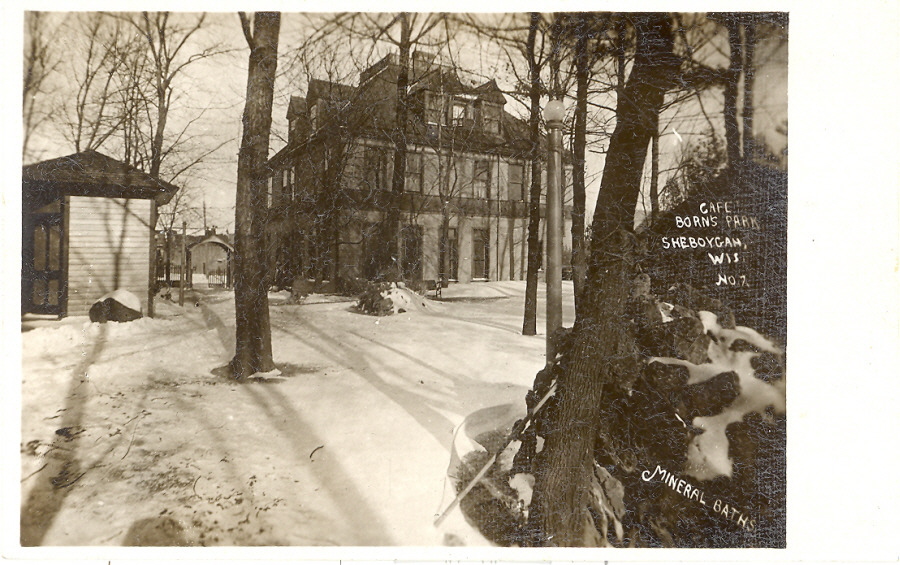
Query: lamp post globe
x,y
554,113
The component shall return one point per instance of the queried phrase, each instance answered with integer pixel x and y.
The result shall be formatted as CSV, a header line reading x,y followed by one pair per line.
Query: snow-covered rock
x,y
118,306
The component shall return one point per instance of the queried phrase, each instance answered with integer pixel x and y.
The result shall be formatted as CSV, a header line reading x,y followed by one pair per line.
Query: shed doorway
x,y
43,262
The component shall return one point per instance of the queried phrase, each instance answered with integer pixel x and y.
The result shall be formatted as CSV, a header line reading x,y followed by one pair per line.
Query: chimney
x,y
421,63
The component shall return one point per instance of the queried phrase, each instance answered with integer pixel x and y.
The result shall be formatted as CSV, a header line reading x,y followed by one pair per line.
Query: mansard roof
x,y
370,112
329,91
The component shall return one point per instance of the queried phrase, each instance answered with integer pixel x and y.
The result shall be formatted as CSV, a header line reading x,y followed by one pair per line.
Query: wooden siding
x,y
108,248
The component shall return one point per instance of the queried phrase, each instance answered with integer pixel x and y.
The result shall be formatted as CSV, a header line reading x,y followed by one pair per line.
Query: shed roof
x,y
91,173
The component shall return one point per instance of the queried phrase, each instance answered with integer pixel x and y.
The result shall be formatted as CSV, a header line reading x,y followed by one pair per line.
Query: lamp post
x,y
554,113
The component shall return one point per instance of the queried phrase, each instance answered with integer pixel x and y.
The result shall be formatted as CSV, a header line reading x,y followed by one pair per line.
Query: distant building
x,y
208,259
86,231
464,212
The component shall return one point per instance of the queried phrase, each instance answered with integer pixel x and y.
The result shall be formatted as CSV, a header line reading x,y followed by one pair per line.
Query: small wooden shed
x,y
87,229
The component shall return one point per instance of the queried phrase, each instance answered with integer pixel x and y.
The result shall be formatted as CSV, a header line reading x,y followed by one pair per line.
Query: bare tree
x,y
166,39
90,114
602,349
168,54
730,108
181,208
413,30
253,336
590,36
39,62
535,60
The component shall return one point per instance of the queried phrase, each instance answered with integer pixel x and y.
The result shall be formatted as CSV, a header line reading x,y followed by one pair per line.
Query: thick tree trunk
x,y
582,74
391,228
253,349
732,77
602,351
529,323
749,76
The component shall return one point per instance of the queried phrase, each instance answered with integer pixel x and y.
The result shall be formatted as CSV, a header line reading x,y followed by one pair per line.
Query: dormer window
x,y
434,109
490,119
459,112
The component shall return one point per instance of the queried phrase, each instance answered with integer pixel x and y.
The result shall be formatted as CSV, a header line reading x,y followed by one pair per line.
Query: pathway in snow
x,y
349,447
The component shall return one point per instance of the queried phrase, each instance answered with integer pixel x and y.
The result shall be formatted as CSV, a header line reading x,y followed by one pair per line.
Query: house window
x,y
481,181
413,172
314,116
449,256
411,262
276,183
287,183
516,184
461,184
480,253
376,168
459,112
368,253
490,116
434,109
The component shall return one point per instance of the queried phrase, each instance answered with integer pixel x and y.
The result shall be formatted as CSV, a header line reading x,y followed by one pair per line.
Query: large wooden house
x,y
464,208
87,229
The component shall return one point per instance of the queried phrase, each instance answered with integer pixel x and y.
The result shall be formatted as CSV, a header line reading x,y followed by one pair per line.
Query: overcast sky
x,y
214,88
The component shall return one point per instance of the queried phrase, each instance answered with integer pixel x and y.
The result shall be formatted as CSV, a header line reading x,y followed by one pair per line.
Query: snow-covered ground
x,y
131,435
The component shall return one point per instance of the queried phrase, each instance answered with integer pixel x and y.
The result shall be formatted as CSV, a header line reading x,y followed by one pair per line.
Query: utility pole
x,y
183,263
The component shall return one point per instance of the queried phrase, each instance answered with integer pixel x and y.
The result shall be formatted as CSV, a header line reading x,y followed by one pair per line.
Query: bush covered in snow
x,y
386,298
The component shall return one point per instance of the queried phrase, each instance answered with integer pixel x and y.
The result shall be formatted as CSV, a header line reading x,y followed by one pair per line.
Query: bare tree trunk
x,y
40,60
582,74
654,173
749,76
732,77
621,31
529,323
253,349
398,180
603,349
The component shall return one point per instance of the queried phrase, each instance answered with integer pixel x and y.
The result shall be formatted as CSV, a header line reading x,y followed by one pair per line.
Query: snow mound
x,y
405,300
391,298
65,335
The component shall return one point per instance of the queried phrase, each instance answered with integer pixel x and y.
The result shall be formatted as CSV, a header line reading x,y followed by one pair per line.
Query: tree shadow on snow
x,y
63,469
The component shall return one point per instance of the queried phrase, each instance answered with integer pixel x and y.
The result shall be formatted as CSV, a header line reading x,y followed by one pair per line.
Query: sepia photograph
x,y
367,279
404,279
